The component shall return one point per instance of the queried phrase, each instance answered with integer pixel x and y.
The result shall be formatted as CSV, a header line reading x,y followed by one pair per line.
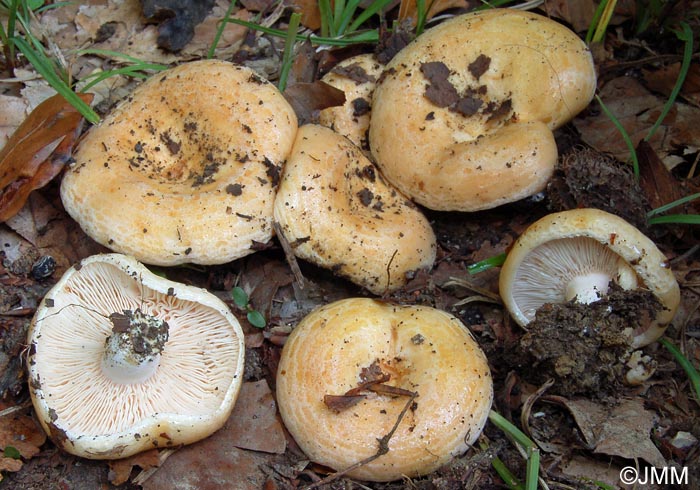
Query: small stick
x,y
381,450
289,254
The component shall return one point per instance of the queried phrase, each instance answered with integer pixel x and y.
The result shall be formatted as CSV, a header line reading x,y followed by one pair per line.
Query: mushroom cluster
x,y
122,360
352,370
575,255
185,169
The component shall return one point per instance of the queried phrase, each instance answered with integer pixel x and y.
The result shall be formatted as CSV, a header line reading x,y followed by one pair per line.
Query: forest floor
x,y
588,423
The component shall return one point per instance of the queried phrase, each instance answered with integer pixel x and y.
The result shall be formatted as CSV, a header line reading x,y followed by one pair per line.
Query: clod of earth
x,y
576,254
367,359
462,118
185,170
122,360
356,77
336,210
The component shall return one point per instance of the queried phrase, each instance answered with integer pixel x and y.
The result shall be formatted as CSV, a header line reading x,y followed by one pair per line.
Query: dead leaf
x,y
664,80
23,434
256,424
310,13
627,433
658,184
637,110
14,111
309,98
120,469
37,151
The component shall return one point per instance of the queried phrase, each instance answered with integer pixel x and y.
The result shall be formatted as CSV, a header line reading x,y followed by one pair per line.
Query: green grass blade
x,y
673,204
131,71
45,68
533,469
604,21
108,53
348,14
687,36
675,219
506,475
363,37
626,137
338,12
486,264
594,21
288,56
220,30
324,7
693,374
376,7
502,423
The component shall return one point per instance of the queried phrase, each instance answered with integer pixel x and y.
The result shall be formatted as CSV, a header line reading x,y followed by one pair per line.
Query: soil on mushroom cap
x,y
584,347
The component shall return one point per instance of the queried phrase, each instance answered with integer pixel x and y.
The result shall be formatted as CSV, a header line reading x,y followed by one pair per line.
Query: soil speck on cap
x,y
354,72
479,66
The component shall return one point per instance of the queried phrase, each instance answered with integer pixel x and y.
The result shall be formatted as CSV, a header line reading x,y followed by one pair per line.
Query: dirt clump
x,y
585,347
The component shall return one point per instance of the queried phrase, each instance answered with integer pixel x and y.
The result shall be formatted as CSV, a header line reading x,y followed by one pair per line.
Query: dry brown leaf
x,y
37,151
309,98
310,13
664,79
658,184
14,111
637,110
256,424
120,469
22,433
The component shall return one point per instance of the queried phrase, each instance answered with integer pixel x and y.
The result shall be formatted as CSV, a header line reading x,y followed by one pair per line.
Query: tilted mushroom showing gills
x,y
122,360
186,168
386,354
575,255
462,118
338,212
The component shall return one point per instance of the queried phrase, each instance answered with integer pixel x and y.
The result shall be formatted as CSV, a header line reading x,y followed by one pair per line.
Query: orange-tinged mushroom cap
x,y
186,168
462,117
421,350
338,212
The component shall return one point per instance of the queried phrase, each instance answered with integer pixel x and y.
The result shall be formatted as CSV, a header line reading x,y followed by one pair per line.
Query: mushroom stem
x,y
132,351
588,288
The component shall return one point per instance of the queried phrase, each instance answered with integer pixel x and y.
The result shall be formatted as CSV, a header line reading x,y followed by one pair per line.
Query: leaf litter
x,y
591,437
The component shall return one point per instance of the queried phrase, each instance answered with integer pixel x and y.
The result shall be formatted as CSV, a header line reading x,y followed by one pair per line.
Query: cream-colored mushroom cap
x,y
338,212
575,255
356,77
122,360
185,169
422,350
462,118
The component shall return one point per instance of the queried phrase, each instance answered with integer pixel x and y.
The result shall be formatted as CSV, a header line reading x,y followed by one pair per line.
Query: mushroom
x,y
356,77
122,360
575,255
462,117
383,357
337,211
186,168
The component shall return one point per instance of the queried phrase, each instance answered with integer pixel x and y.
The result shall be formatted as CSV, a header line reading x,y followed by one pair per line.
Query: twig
x,y
381,450
289,254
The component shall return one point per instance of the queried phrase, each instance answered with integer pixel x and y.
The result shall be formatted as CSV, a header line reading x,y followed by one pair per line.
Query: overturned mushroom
x,y
337,211
462,118
184,170
349,370
356,77
122,360
576,254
